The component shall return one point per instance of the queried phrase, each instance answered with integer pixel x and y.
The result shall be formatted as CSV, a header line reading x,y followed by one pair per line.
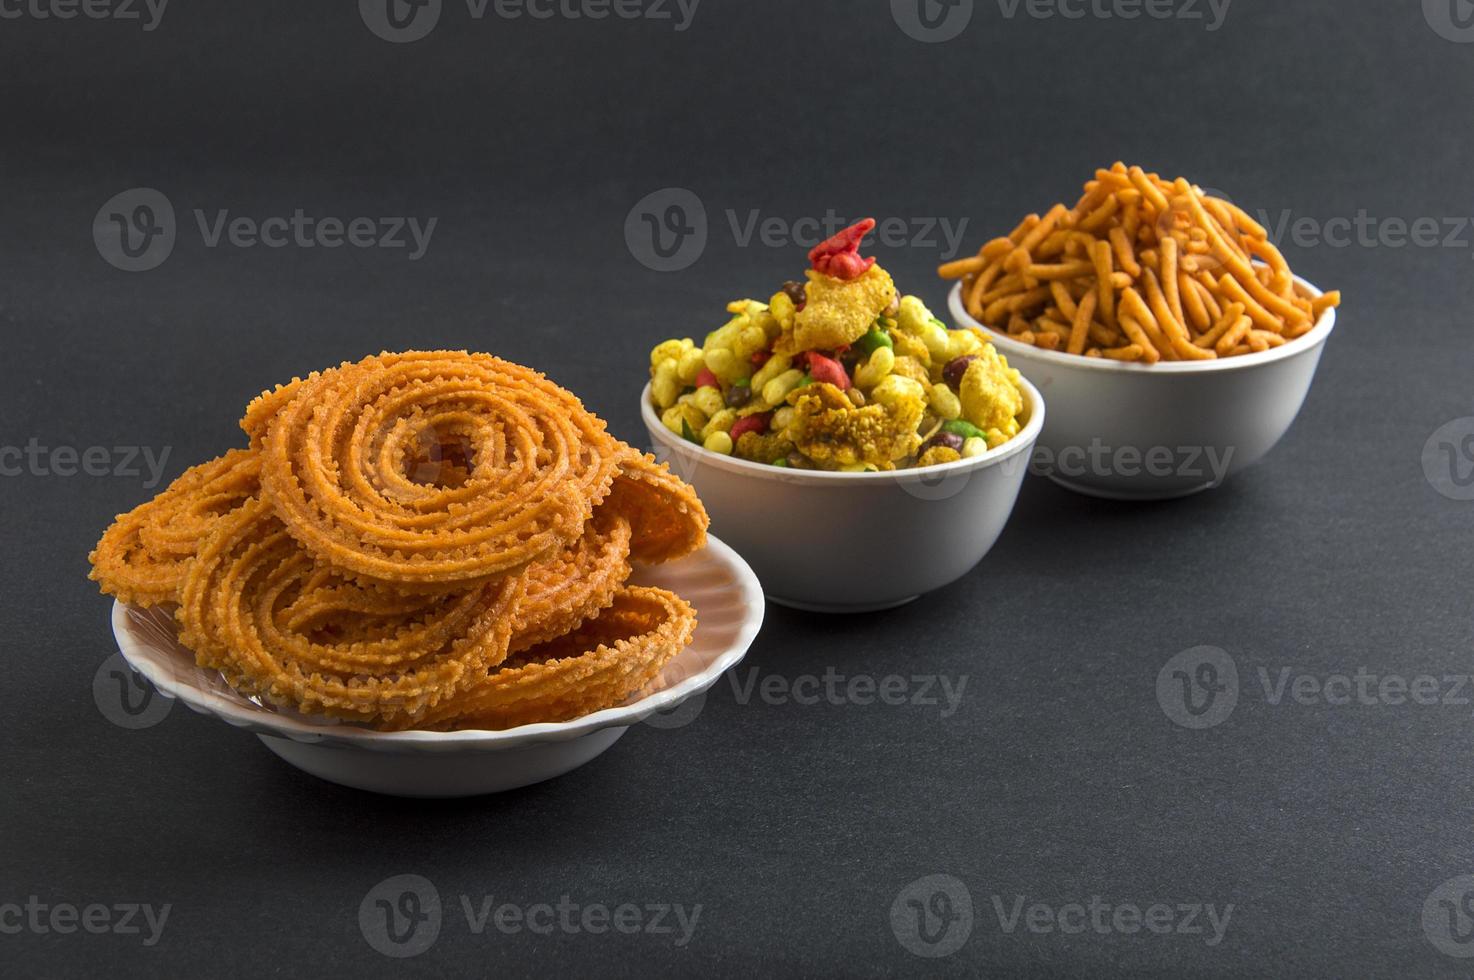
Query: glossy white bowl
x,y
718,583
855,542
1112,426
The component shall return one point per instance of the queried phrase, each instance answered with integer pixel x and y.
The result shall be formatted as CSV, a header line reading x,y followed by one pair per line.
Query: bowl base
x,y
824,607
1101,493
441,776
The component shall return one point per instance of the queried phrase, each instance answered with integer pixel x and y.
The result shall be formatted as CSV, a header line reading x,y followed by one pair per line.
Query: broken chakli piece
x,y
420,540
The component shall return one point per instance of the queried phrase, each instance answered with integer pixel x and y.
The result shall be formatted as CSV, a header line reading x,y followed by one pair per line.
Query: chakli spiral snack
x,y
595,666
667,516
573,586
344,461
277,625
141,557
264,408
413,540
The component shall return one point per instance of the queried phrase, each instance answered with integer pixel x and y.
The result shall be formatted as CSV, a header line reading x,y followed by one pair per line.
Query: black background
x,y
795,827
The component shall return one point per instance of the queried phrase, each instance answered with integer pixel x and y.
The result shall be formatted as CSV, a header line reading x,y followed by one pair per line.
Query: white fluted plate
x,y
716,581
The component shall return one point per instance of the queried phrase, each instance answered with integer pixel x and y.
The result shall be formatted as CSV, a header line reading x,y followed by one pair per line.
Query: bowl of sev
x,y
1170,337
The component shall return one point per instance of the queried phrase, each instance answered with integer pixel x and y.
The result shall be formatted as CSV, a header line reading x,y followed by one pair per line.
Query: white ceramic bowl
x,y
718,583
1155,431
855,542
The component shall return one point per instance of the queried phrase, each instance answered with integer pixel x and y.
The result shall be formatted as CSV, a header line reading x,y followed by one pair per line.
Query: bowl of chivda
x,y
853,448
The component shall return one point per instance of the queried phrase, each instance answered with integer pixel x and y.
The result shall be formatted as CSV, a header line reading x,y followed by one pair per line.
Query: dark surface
x,y
795,827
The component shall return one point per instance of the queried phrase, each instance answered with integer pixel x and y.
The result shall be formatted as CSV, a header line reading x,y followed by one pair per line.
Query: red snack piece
x,y
752,423
828,370
840,256
760,358
705,379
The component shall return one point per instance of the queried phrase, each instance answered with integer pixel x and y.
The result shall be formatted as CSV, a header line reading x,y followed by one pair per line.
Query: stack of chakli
x,y
419,540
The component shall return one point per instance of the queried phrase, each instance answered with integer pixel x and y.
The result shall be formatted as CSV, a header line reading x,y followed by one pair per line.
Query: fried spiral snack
x,y
141,557
280,627
596,666
669,519
436,539
564,591
264,408
424,470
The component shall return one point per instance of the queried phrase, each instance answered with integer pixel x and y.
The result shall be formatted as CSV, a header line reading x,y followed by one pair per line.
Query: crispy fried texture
x,y
829,429
596,666
838,312
565,591
266,406
668,518
141,556
402,525
990,399
763,447
256,607
518,466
